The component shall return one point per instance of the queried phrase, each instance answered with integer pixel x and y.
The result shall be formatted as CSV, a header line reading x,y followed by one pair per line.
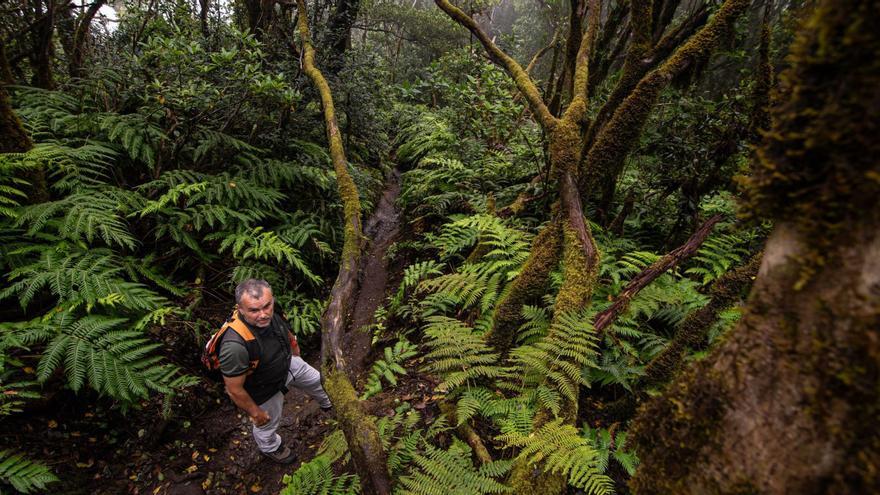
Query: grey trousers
x,y
301,376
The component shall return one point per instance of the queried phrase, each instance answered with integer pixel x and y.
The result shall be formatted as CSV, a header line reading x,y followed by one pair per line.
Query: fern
x,y
113,360
611,445
24,475
76,278
560,449
717,255
388,367
459,355
316,478
135,133
258,244
556,361
212,141
425,134
412,275
444,472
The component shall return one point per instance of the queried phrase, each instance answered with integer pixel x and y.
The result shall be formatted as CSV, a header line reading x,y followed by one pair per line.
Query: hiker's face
x,y
257,310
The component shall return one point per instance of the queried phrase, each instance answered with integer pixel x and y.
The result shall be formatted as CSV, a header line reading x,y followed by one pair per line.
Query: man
x,y
261,393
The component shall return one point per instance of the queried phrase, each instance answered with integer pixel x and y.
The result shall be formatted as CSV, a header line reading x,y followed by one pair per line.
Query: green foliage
x,y
717,255
78,278
25,476
612,445
100,350
442,472
316,477
424,134
560,449
257,244
388,367
553,364
459,355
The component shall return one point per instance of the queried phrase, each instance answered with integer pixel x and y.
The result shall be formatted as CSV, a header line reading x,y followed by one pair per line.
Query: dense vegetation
x,y
587,191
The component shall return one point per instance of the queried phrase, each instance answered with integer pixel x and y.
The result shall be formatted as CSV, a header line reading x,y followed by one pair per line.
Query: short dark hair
x,y
254,287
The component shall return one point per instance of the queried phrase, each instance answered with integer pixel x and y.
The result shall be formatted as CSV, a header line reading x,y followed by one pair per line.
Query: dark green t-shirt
x,y
271,373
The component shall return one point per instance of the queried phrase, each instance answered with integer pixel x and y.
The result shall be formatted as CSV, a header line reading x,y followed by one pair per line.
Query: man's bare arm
x,y
242,399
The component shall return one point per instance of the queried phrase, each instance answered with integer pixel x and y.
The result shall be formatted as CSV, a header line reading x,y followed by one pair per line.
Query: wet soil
x,y
381,231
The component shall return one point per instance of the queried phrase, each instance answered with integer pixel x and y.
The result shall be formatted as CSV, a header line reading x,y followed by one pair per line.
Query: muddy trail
x,y
207,447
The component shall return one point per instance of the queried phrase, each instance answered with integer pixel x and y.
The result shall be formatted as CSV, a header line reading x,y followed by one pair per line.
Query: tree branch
x,y
606,317
519,75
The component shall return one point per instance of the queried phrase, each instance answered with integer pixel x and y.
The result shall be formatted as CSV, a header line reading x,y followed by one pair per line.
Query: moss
x,y
543,257
818,167
759,118
565,148
579,275
684,421
13,138
359,428
348,192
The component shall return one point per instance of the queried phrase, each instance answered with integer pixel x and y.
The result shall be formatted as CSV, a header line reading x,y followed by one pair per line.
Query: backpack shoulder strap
x,y
251,343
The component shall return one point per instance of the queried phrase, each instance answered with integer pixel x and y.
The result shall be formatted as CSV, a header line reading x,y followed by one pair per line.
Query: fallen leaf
x,y
53,424
256,487
192,469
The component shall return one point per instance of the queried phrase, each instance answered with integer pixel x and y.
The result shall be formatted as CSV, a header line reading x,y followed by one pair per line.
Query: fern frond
x,y
113,360
557,360
441,472
459,355
388,367
24,475
560,449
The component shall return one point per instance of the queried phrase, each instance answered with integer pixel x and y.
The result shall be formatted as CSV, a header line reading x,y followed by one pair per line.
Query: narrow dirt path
x,y
381,229
216,455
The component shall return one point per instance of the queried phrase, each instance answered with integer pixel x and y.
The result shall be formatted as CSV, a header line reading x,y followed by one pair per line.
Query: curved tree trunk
x,y
789,402
359,428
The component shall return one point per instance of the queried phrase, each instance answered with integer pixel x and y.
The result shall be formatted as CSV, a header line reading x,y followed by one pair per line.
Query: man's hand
x,y
236,391
260,418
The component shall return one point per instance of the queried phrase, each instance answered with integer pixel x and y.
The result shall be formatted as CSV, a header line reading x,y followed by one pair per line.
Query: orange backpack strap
x,y
250,341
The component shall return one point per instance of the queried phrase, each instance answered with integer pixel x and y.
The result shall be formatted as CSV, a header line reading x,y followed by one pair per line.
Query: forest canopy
x,y
534,247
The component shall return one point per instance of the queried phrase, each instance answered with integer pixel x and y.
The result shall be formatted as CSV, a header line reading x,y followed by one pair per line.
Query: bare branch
x,y
605,318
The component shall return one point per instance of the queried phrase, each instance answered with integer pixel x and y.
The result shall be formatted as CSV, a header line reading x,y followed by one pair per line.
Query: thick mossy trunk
x,y
13,138
360,432
788,403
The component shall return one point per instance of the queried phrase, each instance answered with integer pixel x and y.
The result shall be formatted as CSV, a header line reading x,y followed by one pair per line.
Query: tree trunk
x,y
338,37
789,402
359,428
80,39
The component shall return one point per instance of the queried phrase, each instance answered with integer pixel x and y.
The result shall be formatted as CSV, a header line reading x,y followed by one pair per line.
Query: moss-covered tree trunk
x,y
789,402
359,428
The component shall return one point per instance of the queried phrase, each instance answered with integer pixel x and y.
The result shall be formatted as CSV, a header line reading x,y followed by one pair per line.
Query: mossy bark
x,y
531,281
605,159
359,428
788,402
692,332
